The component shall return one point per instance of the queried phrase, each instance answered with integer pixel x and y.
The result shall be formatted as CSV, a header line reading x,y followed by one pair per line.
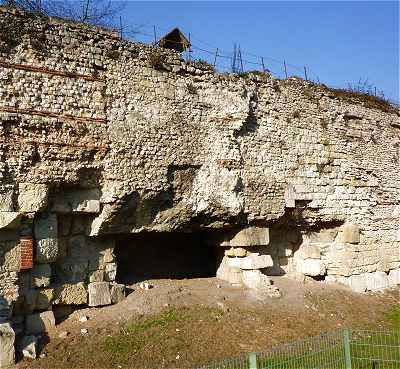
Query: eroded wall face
x,y
96,141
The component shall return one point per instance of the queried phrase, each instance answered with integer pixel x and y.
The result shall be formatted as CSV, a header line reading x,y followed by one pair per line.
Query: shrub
x,y
157,60
202,64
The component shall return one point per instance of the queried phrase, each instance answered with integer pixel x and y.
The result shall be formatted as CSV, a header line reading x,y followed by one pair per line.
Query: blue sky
x,y
339,41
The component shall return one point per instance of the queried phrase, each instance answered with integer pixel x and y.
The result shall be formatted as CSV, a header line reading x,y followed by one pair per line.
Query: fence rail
x,y
342,349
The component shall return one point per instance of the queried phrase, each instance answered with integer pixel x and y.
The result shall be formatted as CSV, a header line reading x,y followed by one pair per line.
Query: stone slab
x,y
358,283
32,197
394,277
78,201
313,267
376,281
118,293
247,237
7,351
99,294
71,294
251,262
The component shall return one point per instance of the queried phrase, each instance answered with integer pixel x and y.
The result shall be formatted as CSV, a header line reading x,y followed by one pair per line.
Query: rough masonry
x,y
100,137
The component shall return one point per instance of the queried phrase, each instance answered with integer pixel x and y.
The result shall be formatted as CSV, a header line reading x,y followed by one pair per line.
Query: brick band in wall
x,y
49,71
58,144
26,249
45,113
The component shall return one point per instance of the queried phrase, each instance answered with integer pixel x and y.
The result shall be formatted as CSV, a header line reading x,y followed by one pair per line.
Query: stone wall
x,y
100,137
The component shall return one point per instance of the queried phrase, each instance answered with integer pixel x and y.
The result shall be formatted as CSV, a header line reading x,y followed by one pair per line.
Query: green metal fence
x,y
344,349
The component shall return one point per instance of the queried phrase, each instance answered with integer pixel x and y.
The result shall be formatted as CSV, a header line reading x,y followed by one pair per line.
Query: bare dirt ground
x,y
186,323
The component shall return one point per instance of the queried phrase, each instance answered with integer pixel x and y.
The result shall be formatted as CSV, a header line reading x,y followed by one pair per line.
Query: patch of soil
x,y
186,323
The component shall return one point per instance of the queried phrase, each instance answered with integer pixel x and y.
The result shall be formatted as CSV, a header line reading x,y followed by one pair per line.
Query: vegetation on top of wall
x,y
157,60
361,93
360,97
13,30
202,64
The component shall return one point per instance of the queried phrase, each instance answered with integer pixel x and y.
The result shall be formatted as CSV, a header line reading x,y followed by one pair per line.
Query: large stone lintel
x,y
247,237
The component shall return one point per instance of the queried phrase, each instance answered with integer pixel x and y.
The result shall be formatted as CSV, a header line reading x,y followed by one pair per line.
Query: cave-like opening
x,y
164,255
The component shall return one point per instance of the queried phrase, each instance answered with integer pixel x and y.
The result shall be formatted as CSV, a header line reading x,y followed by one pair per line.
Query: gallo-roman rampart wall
x,y
101,137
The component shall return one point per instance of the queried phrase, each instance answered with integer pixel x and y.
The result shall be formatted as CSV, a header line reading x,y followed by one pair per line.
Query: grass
x,y
369,349
393,317
137,336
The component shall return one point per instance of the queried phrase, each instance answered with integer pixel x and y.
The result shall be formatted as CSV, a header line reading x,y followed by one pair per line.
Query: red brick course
x,y
26,248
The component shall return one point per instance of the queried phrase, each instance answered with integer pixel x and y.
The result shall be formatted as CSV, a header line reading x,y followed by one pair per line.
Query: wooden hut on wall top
x,y
174,40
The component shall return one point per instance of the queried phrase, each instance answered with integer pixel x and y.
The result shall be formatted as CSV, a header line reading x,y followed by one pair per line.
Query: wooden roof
x,y
175,40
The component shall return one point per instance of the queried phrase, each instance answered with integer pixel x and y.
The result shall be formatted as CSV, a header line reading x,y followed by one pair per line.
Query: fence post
x,y
155,35
252,360
284,65
215,58
346,343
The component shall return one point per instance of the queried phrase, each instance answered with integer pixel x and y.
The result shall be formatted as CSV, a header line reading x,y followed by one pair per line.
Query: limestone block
x,y
99,294
251,236
290,197
108,255
28,346
9,220
7,351
10,256
358,283
398,235
309,251
230,252
97,276
72,270
223,270
110,272
377,281
118,293
236,252
351,233
394,277
71,294
6,201
252,261
41,274
39,322
313,267
45,230
46,250
32,197
255,279
79,201
235,276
